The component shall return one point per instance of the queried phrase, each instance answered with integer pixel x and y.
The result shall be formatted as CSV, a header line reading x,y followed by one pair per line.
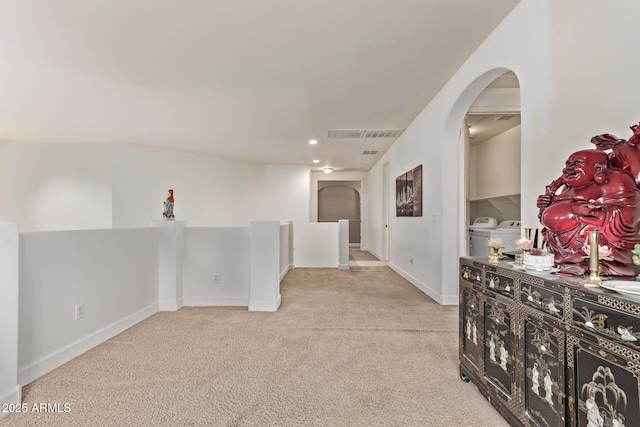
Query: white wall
x,y
207,191
96,186
286,197
373,225
498,165
171,237
221,252
320,247
55,186
10,392
286,248
118,276
113,273
264,266
58,186
567,96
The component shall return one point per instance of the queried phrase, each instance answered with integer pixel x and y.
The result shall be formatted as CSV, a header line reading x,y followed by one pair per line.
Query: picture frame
x,y
409,193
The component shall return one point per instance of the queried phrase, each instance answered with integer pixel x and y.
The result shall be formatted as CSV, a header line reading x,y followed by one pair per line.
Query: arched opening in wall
x,y
455,209
341,200
491,133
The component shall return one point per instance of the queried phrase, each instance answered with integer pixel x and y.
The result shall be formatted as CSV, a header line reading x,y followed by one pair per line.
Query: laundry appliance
x,y
485,228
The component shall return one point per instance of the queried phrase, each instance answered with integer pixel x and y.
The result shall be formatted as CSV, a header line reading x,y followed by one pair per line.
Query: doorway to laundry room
x,y
491,133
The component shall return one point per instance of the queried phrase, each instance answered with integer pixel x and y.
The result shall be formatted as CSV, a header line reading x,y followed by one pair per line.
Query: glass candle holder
x,y
520,258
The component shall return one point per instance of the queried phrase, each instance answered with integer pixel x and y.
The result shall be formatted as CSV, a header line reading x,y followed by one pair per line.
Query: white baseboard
x,y
217,302
286,270
343,267
374,253
11,398
27,374
171,305
265,305
440,299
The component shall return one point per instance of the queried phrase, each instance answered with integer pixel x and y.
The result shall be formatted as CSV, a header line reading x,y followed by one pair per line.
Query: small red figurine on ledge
x,y
167,212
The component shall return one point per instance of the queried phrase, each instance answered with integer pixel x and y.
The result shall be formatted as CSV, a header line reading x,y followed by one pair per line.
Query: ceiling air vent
x,y
345,133
364,133
383,133
369,152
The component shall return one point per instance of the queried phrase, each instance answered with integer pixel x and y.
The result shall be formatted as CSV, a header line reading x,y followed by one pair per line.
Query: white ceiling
x,y
496,110
483,127
249,80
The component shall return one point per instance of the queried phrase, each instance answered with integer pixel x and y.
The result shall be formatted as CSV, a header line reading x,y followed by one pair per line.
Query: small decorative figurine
x,y
504,357
594,419
535,384
167,212
475,333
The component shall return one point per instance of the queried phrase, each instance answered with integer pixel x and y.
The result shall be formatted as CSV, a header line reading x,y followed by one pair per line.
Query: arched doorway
x,y
455,209
341,200
492,157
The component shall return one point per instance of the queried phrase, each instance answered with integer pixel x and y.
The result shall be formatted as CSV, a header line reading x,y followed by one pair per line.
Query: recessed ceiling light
x,y
316,161
313,141
327,170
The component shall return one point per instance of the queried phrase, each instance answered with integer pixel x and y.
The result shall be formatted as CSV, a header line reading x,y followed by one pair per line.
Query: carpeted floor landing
x,y
347,348
358,258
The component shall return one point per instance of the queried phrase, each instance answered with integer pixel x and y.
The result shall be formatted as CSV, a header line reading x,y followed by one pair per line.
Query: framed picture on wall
x,y
401,184
409,193
416,190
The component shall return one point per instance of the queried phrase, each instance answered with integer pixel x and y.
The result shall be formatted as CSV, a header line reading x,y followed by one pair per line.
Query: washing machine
x,y
486,228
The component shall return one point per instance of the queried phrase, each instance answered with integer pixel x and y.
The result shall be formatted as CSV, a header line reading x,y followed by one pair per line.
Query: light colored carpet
x,y
347,348
358,255
358,258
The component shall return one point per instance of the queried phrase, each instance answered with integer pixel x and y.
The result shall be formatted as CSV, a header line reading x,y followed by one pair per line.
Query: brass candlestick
x,y
495,256
594,260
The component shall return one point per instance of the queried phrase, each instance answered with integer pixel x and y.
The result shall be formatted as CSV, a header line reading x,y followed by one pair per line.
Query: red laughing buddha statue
x,y
596,192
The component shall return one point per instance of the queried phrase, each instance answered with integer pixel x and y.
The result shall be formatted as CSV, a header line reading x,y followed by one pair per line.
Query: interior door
x,y
385,212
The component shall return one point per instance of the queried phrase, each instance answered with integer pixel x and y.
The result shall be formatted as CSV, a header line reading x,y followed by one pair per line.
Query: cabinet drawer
x,y
471,273
501,283
542,298
615,325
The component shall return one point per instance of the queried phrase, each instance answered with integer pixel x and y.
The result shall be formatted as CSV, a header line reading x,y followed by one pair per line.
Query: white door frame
x,y
385,212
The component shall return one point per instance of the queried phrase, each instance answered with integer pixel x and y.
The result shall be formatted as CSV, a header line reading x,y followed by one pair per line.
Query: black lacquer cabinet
x,y
547,351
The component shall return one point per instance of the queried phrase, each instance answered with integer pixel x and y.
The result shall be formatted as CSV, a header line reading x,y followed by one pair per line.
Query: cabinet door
x,y
499,348
471,326
543,388
605,378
